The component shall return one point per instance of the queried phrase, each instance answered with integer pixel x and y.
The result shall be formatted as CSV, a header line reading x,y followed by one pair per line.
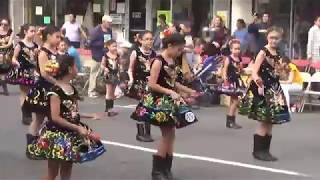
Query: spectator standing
x,y
162,26
99,36
6,47
73,31
263,27
242,35
253,30
313,46
219,33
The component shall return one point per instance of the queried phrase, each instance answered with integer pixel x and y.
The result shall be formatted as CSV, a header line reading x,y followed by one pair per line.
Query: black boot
x,y
26,117
231,122
268,142
31,140
141,133
147,128
109,106
4,87
259,148
168,171
158,168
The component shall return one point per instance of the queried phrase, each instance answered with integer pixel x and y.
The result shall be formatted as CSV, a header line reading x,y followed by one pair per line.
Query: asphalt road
x,y
205,151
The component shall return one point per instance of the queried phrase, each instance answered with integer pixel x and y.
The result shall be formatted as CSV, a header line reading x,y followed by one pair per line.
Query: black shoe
x,y
141,133
112,113
158,168
31,140
268,139
147,135
4,87
168,171
231,123
259,149
26,117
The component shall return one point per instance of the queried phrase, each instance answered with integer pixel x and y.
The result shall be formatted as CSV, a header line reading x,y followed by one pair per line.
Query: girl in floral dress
x,y
6,47
139,71
111,67
37,100
265,101
24,60
232,70
64,139
162,106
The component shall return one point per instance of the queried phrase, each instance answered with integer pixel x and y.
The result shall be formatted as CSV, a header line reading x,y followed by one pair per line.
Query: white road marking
x,y
131,106
208,159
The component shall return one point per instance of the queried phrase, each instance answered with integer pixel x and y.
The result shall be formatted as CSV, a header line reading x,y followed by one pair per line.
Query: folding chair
x,y
302,63
310,91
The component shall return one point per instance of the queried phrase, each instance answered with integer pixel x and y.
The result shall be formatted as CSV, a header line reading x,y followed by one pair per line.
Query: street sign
x,y
116,18
46,20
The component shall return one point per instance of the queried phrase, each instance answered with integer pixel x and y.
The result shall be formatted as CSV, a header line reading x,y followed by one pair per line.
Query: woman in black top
x,y
6,47
139,71
24,60
37,100
163,106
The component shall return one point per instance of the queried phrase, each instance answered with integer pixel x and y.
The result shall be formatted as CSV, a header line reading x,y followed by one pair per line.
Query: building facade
x,y
132,16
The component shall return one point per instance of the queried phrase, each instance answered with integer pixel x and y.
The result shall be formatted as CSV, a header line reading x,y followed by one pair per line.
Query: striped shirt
x,y
313,47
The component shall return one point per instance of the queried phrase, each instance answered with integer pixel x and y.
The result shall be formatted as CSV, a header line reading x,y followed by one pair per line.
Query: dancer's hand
x,y
174,95
16,63
83,131
259,82
130,83
106,71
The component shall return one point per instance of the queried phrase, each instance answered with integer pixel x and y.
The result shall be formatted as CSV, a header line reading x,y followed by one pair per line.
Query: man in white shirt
x,y
313,47
73,31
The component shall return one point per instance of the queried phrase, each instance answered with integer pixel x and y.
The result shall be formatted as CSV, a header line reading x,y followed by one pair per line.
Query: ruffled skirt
x,y
164,112
21,76
57,144
270,108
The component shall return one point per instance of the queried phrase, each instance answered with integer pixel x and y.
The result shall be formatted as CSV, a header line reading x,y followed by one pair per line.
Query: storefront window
x,y
304,13
279,12
4,6
163,5
42,12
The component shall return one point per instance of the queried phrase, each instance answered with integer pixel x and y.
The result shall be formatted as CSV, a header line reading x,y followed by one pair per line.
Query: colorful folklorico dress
x,y
271,107
140,74
5,53
59,143
234,85
160,109
37,100
25,74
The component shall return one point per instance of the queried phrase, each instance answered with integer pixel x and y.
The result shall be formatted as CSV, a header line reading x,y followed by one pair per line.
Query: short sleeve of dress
x,y
76,93
55,91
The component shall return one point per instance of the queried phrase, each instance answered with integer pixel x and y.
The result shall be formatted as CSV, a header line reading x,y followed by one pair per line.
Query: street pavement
x,y
205,151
